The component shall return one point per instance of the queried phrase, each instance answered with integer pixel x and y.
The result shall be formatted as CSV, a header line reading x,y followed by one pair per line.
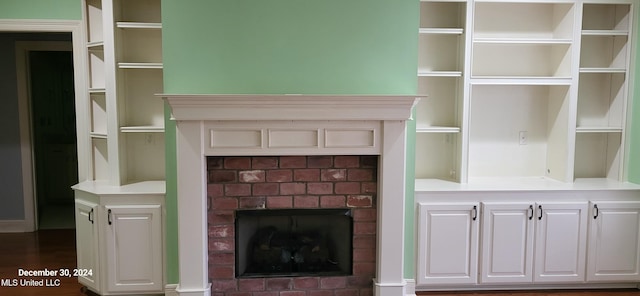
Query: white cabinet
x,y
614,242
507,242
120,238
87,243
561,242
516,233
448,243
133,237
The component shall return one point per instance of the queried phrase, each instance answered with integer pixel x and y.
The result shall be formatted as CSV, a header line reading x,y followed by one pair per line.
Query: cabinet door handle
x,y
109,216
596,210
540,208
91,216
531,209
475,213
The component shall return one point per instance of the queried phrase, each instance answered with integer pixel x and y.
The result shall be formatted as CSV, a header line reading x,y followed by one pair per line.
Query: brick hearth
x,y
291,182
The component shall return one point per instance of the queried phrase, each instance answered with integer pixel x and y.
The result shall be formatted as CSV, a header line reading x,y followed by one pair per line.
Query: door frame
x,y
80,73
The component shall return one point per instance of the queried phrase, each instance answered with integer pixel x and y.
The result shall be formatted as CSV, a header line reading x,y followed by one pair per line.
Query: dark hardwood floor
x,y
56,249
44,249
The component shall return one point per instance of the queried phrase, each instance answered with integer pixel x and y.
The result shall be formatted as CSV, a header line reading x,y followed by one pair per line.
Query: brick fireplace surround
x,y
292,182
317,128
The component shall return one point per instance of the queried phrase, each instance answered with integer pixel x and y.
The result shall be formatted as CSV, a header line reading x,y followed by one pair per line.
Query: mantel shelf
x,y
290,107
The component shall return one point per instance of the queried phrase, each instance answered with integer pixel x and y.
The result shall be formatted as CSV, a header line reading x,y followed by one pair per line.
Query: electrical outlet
x,y
522,136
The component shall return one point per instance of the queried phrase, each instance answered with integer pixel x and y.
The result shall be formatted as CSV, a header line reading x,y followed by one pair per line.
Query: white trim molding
x,y
79,65
7,226
254,125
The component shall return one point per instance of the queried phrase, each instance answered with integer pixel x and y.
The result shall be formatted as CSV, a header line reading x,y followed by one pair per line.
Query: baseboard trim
x,y
411,287
12,226
175,290
170,290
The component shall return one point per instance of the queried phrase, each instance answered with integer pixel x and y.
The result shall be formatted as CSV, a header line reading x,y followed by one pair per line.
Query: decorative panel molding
x,y
292,137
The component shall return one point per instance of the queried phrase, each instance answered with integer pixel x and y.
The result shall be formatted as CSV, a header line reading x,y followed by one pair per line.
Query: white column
x,y
390,242
192,211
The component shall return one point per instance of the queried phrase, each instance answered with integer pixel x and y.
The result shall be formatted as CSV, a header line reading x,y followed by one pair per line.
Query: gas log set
x,y
294,243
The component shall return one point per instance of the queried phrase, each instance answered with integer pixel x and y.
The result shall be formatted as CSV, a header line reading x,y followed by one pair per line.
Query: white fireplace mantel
x,y
207,125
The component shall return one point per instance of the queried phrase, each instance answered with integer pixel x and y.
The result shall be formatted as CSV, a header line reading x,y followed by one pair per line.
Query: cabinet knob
x,y
531,209
596,211
109,216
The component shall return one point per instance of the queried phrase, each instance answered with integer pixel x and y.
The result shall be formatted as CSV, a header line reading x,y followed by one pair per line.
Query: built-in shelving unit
x,y
534,89
441,75
125,125
124,49
603,90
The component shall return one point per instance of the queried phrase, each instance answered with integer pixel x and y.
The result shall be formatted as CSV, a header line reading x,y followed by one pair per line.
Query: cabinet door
x,y
614,242
448,243
561,239
87,243
134,248
507,243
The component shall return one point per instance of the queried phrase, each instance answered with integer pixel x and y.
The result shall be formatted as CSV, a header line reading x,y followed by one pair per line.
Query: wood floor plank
x,y
45,249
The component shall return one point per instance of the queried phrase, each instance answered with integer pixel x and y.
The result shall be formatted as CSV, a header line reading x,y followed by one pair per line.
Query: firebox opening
x,y
293,242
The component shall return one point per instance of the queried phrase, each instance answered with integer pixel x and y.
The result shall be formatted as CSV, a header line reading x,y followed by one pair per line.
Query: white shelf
x,y
142,129
105,189
445,31
438,129
97,90
522,80
123,65
440,74
598,129
95,45
522,184
602,70
515,40
137,25
605,32
98,135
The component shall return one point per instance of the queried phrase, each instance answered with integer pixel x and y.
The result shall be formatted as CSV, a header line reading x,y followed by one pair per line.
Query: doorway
x,y
45,72
53,125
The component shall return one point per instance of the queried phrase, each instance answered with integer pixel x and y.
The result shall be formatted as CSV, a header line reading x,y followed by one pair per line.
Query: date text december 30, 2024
x,y
46,277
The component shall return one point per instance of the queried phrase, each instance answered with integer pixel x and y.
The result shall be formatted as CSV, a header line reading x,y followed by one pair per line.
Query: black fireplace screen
x,y
293,242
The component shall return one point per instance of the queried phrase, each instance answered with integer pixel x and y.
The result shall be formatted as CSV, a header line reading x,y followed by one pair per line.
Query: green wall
x,y
290,46
283,46
41,9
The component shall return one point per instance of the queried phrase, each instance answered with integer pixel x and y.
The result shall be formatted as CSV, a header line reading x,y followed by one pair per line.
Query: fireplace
x,y
292,223
300,242
294,126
